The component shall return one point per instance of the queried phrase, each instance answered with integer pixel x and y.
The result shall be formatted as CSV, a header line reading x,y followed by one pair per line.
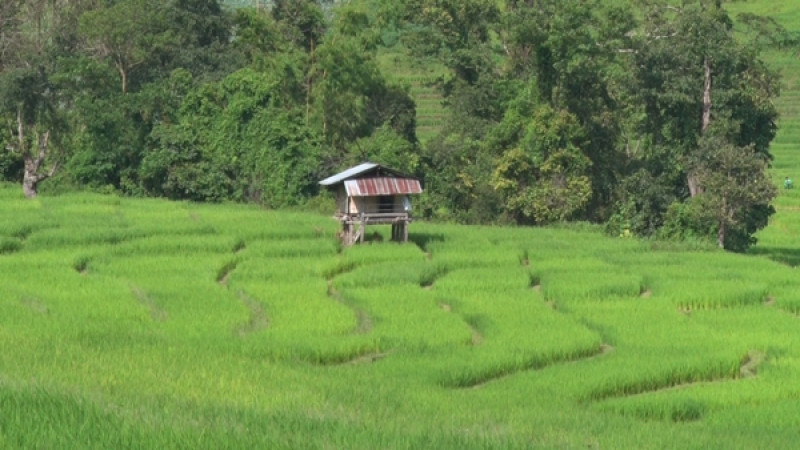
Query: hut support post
x,y
400,231
347,233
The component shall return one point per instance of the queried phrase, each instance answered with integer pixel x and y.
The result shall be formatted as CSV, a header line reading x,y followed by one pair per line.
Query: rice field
x,y
141,323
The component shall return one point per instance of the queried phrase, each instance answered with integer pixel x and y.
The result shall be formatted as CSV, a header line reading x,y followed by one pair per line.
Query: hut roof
x,y
349,173
368,187
371,179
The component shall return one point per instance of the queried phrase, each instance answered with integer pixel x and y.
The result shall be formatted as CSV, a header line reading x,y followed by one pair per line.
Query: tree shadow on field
x,y
788,256
423,239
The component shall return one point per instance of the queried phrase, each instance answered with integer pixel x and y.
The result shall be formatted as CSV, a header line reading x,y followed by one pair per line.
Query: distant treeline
x,y
650,119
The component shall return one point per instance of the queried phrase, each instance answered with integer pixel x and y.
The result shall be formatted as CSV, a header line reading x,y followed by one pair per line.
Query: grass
x,y
144,323
141,323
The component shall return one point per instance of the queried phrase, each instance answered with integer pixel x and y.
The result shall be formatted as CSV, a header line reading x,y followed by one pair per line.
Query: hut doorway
x,y
385,204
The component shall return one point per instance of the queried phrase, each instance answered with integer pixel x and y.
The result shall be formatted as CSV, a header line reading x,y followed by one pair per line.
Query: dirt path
x,y
363,319
157,313
258,318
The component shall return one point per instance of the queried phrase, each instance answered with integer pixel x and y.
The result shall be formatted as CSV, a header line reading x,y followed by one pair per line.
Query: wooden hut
x,y
370,194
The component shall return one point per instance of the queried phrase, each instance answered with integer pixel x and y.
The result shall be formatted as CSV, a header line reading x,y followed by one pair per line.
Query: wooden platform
x,y
354,225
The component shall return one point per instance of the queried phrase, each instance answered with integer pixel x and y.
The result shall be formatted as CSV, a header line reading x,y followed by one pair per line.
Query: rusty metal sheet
x,y
368,187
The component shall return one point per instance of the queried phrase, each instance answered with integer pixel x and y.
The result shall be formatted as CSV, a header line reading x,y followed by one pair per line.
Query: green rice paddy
x,y
152,324
135,323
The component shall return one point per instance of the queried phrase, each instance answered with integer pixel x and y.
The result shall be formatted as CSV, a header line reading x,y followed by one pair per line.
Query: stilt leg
x,y
348,233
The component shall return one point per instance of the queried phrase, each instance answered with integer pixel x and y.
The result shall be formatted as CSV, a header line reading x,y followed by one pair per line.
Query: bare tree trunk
x,y
706,98
33,173
694,185
29,182
124,75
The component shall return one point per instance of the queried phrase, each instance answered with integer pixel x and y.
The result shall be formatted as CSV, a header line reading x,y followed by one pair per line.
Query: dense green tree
x,y
458,170
37,36
690,71
235,139
127,34
388,147
576,53
458,35
192,36
542,171
301,22
736,189
104,139
146,39
255,34
643,114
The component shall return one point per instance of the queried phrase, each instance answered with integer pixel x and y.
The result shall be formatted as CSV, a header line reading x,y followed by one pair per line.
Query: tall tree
x,y
236,139
575,52
36,36
691,71
688,65
542,171
142,42
736,188
126,33
145,40
302,21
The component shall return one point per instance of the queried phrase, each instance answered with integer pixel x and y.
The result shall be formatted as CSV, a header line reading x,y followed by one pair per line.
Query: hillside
x,y
146,323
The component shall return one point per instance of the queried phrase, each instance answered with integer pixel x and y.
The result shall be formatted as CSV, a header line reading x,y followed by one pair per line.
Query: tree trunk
x,y
694,184
33,162
706,98
124,75
33,166
30,183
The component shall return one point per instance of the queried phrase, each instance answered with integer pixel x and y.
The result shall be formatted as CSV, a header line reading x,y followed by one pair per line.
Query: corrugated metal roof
x,y
366,187
349,173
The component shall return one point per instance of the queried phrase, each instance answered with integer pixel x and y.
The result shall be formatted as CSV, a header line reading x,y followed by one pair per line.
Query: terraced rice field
x,y
421,78
144,323
148,324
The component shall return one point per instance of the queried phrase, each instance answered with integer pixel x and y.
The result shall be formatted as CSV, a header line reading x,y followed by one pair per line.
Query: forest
x,y
651,117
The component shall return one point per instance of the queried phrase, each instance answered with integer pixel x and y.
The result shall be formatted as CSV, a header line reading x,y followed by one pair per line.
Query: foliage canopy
x,y
551,110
